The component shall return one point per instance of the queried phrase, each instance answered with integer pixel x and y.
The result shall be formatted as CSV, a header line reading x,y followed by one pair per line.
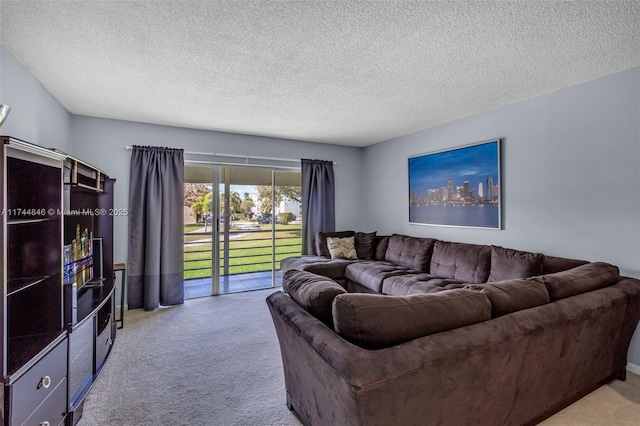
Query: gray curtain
x,y
156,226
318,201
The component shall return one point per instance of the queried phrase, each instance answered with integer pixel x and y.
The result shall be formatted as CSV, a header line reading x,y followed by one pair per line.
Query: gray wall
x,y
103,142
35,115
571,175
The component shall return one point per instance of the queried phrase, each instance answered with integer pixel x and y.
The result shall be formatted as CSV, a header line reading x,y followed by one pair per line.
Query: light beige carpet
x,y
216,361
614,404
212,361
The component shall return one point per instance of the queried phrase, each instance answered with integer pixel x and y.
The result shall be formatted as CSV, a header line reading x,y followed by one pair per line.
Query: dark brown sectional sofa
x,y
418,331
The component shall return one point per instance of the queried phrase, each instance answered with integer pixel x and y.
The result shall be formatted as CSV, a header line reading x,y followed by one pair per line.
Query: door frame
x,y
218,178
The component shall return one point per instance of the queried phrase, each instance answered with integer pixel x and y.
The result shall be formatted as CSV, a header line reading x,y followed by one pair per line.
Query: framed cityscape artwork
x,y
457,187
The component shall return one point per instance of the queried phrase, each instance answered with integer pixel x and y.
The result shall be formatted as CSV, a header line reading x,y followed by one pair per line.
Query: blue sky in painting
x,y
473,163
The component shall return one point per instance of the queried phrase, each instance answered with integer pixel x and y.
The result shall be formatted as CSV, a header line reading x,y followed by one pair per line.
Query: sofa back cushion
x,y
364,244
410,252
554,264
321,241
580,279
314,293
468,263
380,247
513,295
375,321
508,264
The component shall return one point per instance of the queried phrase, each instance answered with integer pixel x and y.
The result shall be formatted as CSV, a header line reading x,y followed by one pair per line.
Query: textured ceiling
x,y
343,72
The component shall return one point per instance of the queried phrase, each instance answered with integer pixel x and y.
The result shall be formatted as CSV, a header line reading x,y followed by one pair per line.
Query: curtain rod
x,y
247,157
223,163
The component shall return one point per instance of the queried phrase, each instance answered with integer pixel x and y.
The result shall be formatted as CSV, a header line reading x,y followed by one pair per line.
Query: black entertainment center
x,y
58,283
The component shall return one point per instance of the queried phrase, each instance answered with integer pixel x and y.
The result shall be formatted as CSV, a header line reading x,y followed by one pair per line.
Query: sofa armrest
x,y
358,367
341,355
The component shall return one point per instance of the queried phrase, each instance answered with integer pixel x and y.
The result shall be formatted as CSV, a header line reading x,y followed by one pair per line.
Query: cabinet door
x,y
80,359
104,328
37,384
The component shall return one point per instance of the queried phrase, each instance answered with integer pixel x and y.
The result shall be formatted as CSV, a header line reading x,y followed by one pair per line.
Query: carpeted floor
x,y
615,404
211,361
216,361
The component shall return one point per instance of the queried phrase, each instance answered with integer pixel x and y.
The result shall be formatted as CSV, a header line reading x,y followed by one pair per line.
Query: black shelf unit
x,y
33,333
56,335
90,319
17,284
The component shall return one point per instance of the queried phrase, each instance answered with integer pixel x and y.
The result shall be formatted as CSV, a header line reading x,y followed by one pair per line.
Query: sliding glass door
x,y
242,222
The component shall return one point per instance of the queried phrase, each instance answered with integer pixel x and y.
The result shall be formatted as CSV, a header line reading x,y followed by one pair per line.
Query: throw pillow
x,y
380,245
508,264
364,245
342,248
321,241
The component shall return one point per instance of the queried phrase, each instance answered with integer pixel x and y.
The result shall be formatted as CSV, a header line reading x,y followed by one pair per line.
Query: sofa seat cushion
x,y
314,293
404,285
464,262
410,252
509,264
580,279
371,274
330,268
513,295
375,321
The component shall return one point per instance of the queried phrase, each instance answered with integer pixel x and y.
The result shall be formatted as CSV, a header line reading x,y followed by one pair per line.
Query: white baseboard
x,y
633,368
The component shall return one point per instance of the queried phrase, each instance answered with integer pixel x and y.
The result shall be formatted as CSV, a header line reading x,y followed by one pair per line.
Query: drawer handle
x,y
45,423
45,382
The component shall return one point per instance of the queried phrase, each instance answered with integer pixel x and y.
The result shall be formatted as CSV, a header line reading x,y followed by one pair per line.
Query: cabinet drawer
x,y
30,390
52,411
103,343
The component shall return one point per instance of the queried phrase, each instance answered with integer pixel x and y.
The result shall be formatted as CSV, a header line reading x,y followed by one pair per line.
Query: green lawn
x,y
248,252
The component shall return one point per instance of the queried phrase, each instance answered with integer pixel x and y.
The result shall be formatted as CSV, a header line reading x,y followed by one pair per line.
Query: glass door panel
x,y
246,232
199,224
242,222
288,217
